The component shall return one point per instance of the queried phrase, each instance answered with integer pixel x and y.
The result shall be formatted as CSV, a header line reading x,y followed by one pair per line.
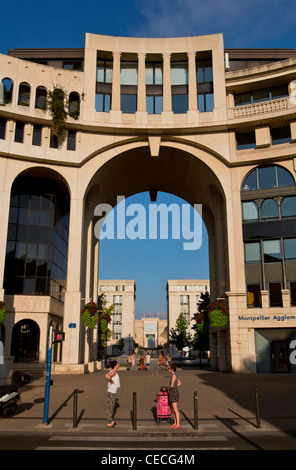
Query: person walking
x,y
148,358
113,386
174,396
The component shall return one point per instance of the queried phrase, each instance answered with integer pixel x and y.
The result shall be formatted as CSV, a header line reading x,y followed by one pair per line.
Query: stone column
x,y
192,85
141,102
72,306
4,216
167,91
115,105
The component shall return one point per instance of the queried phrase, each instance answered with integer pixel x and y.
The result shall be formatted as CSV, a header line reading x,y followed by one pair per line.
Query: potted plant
x,y
2,314
218,314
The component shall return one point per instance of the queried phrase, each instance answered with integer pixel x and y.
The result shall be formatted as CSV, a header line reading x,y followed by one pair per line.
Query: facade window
x,y
117,317
41,97
261,95
6,89
19,132
205,89
54,142
269,176
281,135
104,77
36,139
129,82
24,94
250,211
71,140
293,293
73,65
103,102
269,210
254,295
275,294
288,207
74,105
154,88
2,128
245,141
179,84
253,252
37,240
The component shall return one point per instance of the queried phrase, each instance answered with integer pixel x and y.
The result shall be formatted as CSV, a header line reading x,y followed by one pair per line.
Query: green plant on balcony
x,y
56,104
218,314
2,314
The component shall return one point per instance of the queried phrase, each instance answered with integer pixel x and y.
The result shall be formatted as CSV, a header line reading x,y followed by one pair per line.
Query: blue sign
x,y
72,325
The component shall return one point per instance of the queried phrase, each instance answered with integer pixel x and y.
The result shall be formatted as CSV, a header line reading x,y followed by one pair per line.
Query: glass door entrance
x,y
280,356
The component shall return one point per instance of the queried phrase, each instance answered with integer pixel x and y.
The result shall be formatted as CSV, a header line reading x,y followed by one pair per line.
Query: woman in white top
x,y
113,386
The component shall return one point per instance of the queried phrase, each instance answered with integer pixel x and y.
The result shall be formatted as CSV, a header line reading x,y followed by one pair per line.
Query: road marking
x,y
137,439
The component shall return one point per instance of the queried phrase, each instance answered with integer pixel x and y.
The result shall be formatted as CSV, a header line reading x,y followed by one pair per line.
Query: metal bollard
x,y
75,408
195,404
134,410
257,409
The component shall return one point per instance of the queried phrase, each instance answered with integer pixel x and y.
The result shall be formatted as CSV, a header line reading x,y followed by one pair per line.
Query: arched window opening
x,y
269,176
288,207
24,94
6,88
25,341
41,98
269,210
74,105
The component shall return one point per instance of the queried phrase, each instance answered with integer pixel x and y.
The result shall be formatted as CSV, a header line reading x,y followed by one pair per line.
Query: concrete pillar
x,y
4,216
115,104
167,92
141,102
72,306
192,85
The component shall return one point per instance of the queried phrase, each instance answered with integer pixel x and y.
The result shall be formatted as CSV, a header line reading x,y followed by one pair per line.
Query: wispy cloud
x,y
256,23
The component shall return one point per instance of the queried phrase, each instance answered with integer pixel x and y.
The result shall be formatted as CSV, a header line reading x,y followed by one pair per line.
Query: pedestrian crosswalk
x,y
141,441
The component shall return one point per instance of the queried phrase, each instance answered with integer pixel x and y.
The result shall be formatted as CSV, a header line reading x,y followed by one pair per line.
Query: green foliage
x,y
179,336
90,314
56,102
218,315
2,313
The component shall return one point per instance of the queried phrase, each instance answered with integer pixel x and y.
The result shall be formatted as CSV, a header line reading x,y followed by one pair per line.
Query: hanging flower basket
x,y
90,315
2,313
218,314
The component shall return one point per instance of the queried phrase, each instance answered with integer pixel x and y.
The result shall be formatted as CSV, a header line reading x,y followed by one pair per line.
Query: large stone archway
x,y
190,175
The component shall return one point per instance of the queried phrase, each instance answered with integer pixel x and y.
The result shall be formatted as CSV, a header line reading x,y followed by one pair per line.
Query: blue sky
x,y
246,24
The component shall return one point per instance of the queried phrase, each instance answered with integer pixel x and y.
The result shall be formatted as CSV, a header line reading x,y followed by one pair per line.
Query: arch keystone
x,y
154,145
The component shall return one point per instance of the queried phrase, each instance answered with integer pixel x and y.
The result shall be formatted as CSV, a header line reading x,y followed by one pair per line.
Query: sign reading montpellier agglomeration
x,y
279,318
133,221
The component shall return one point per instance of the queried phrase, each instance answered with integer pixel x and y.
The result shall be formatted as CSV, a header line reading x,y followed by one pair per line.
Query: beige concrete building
x,y
122,294
151,332
213,126
183,296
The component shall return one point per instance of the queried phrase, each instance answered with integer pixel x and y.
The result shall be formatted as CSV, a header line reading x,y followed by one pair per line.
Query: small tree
x,y
201,327
179,336
104,333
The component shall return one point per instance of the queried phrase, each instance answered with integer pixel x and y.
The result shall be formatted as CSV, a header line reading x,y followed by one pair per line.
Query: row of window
x,y
270,265
247,140
256,96
24,96
269,209
154,86
37,135
37,240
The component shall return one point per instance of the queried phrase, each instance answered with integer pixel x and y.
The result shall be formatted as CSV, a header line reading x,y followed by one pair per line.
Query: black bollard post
x,y
257,409
195,403
134,410
75,408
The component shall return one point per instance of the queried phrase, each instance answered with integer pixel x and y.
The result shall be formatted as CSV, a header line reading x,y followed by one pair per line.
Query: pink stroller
x,y
163,411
